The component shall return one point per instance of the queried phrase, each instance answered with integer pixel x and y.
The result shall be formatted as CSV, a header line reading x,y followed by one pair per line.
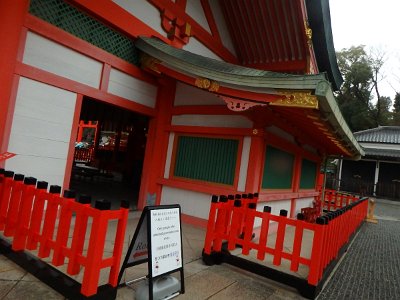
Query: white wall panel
x,y
212,121
57,59
188,95
192,203
41,129
196,11
126,86
244,163
196,47
221,25
144,11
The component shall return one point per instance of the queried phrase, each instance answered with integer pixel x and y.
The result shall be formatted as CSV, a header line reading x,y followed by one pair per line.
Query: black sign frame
x,y
145,224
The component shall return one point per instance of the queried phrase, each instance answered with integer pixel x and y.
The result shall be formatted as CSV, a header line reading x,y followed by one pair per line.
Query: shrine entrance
x,y
109,152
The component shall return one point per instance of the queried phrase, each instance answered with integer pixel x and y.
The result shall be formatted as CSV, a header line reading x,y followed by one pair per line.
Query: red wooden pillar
x,y
12,15
157,143
295,184
256,159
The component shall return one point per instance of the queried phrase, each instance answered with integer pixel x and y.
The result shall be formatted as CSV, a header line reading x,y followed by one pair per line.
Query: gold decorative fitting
x,y
207,84
308,32
149,62
297,99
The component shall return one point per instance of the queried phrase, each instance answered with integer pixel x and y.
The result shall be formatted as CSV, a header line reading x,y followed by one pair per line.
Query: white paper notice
x,y
165,240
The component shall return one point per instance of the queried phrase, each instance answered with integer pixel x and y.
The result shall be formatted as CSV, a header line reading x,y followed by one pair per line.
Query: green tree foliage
x,y
354,97
362,74
396,110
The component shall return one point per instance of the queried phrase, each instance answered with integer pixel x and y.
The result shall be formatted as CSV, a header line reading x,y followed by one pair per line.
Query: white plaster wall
x,y
126,86
244,163
169,155
41,130
144,11
196,11
192,203
221,25
303,202
188,95
196,47
57,59
212,121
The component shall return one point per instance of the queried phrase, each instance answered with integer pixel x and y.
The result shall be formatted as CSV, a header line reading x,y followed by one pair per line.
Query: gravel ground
x,y
370,270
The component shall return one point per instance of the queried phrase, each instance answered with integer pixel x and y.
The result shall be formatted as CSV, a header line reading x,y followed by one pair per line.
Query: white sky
x,y
373,23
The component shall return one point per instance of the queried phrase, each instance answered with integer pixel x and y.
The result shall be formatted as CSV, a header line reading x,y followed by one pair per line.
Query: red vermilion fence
x,y
40,220
334,200
231,224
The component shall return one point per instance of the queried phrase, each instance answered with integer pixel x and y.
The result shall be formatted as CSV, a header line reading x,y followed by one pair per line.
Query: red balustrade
x,y
41,222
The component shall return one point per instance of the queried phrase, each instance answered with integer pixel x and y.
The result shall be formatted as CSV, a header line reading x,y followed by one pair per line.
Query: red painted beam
x,y
12,15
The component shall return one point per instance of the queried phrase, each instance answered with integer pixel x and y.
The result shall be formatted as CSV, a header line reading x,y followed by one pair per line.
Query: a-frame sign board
x,y
157,241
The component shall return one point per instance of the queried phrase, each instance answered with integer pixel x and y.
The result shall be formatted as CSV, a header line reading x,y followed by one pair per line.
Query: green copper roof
x,y
247,79
224,72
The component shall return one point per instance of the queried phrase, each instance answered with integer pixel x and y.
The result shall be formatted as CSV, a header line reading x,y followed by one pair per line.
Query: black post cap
x,y
30,181
238,196
124,204
255,195
223,198
300,217
283,212
102,204
252,205
320,221
42,185
85,199
244,196
55,189
70,194
250,196
237,203
267,209
231,197
18,177
8,174
214,198
2,171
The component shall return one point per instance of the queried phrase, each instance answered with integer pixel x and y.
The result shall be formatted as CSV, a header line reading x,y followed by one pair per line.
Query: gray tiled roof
x,y
382,152
381,134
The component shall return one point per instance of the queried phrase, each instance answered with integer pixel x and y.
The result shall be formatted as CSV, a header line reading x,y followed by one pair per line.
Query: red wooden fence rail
x,y
41,221
330,232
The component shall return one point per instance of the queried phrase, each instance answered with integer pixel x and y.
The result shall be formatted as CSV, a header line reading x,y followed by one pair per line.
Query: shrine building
x,y
178,100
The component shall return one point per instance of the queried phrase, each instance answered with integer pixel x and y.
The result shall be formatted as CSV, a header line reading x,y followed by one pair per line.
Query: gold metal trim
x,y
149,62
308,32
297,99
207,84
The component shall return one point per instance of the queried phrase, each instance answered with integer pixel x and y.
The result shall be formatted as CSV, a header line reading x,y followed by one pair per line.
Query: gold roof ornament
x,y
207,84
297,99
308,32
149,62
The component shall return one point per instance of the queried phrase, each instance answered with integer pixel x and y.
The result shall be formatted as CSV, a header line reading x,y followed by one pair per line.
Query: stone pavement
x,y
369,270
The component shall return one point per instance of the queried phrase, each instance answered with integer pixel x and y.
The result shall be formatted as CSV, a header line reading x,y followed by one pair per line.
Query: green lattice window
x,y
308,174
81,25
278,169
206,159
